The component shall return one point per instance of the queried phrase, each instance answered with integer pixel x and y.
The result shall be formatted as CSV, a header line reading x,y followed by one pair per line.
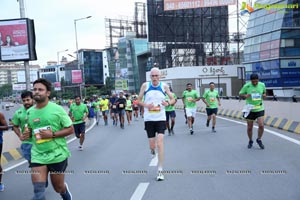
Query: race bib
x,y
121,105
190,99
212,99
256,96
37,135
114,106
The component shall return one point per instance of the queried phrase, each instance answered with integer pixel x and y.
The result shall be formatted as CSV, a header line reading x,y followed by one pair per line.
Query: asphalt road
x,y
116,165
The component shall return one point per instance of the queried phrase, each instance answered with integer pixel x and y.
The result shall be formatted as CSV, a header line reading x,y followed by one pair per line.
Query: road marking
x,y
25,161
154,161
266,130
139,191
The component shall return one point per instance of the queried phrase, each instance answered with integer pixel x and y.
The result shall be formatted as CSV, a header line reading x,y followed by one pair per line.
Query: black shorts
x,y
153,127
135,107
169,114
211,111
254,115
79,129
114,111
55,167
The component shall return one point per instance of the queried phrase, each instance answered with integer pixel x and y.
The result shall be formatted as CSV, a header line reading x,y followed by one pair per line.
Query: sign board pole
x,y
26,63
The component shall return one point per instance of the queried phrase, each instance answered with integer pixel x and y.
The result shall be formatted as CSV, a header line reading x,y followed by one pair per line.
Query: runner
x,y
78,113
154,93
104,105
170,113
3,126
121,104
135,104
20,123
128,109
96,106
254,92
49,124
189,99
113,109
212,101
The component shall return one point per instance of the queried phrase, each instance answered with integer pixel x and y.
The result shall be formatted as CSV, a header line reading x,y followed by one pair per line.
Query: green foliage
x,y
6,90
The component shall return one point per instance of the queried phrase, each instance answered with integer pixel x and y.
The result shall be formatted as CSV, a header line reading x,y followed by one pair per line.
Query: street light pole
x,y
77,53
58,55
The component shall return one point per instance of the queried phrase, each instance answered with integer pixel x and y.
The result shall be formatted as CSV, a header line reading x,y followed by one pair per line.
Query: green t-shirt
x,y
54,150
128,104
20,119
170,107
96,106
211,98
78,112
256,97
188,97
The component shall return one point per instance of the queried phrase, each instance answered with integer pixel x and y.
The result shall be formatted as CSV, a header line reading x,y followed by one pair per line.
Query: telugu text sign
x,y
188,4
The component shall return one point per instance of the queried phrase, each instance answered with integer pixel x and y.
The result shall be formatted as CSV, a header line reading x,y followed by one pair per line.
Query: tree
x,y
6,90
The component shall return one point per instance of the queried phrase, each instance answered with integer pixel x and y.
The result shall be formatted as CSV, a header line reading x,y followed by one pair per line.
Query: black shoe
x,y
169,131
250,144
213,130
97,123
207,123
192,132
172,131
260,144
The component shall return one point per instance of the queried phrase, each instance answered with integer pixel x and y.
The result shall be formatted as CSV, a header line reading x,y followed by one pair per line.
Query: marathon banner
x,y
188,4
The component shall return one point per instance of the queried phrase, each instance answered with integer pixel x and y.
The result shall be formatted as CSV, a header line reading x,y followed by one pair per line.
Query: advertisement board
x,y
76,76
17,40
188,4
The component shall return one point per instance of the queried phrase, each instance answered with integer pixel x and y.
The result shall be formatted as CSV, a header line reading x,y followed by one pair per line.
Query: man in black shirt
x,y
121,104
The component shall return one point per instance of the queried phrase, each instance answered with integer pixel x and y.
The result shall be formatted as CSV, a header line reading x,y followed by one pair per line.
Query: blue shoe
x,y
1,187
67,195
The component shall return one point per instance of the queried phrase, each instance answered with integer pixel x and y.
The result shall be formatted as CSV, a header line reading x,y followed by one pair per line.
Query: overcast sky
x,y
54,23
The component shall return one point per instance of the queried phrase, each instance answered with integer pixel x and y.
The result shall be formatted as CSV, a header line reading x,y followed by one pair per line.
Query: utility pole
x,y
26,63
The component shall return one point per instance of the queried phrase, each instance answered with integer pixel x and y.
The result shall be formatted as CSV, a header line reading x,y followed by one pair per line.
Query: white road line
x,y
25,161
139,191
154,161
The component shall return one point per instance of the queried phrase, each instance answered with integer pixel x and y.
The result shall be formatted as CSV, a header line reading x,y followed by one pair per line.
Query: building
x,y
131,66
225,78
272,46
53,73
14,73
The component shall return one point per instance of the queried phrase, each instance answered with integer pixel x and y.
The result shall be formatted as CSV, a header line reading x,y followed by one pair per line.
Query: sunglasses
x,y
155,75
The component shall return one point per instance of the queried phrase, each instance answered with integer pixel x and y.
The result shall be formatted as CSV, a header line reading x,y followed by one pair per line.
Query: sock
x,y
39,191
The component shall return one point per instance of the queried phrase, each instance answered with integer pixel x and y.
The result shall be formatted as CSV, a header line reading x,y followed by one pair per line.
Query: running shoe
x,y
1,187
260,144
80,148
207,123
160,176
67,195
250,144
213,130
191,131
169,131
172,131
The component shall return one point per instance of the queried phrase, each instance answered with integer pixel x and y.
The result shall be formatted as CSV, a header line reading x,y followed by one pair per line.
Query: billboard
x,y
17,40
22,79
188,4
76,76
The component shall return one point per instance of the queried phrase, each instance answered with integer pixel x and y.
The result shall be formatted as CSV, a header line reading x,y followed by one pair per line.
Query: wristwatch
x,y
53,134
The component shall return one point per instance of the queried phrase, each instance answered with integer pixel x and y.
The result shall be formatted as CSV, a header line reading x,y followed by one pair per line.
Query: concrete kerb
x,y
276,122
16,154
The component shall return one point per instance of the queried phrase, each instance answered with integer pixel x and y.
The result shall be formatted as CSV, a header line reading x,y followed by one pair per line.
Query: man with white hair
x,y
154,93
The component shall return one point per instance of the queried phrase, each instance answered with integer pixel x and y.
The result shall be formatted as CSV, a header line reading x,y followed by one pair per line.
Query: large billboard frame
x,y
17,40
190,4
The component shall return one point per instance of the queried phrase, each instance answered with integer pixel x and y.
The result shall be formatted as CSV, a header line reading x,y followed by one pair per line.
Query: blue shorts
x,y
26,151
169,114
121,112
79,129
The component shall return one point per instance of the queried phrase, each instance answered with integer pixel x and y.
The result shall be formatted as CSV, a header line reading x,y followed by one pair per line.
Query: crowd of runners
x,y
42,126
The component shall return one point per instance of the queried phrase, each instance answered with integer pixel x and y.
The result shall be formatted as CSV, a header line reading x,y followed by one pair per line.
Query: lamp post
x,y
58,55
77,54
